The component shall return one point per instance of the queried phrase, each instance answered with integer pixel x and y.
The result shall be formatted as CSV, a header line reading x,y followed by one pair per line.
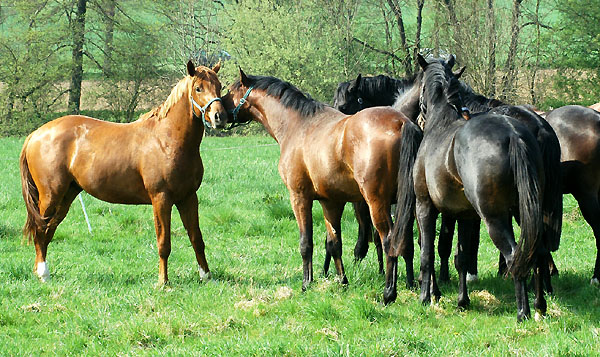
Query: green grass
x,y
103,299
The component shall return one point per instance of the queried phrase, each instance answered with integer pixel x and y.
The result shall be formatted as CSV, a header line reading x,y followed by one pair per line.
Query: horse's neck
x,y
408,102
442,118
278,120
180,125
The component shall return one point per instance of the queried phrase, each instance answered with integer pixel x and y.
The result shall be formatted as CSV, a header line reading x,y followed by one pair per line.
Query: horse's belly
x,y
127,189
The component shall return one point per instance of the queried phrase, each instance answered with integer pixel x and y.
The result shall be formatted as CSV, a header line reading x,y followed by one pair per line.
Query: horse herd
x,y
427,143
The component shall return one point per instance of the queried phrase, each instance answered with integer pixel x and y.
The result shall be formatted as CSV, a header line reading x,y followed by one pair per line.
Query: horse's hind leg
x,y
426,217
333,215
55,209
188,211
445,245
501,233
365,234
590,209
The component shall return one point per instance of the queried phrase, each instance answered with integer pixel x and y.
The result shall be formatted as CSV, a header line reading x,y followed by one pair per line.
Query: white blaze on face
x,y
42,271
203,275
595,281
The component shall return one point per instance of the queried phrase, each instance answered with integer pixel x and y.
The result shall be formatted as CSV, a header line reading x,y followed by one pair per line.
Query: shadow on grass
x,y
495,295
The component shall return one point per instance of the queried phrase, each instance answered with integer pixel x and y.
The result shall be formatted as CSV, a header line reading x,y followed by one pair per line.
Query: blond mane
x,y
177,92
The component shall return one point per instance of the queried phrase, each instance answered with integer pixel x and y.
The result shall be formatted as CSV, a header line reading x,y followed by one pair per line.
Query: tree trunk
x,y
395,6
78,32
490,81
456,30
510,73
420,4
109,22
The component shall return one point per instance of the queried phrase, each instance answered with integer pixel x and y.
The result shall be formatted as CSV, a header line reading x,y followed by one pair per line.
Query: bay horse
x,y
154,160
365,92
578,130
489,167
332,158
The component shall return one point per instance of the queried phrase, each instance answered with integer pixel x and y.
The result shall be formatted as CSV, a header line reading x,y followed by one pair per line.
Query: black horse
x,y
578,130
405,95
489,167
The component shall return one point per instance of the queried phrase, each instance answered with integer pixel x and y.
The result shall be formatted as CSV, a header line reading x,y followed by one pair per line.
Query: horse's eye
x,y
198,89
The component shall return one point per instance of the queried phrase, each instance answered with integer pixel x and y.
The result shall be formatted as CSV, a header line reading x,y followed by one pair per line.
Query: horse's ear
x,y
460,72
191,68
422,61
243,78
451,61
217,67
355,84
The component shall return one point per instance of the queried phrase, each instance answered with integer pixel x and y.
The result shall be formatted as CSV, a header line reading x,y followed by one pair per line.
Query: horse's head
x,y
440,85
348,98
205,95
236,101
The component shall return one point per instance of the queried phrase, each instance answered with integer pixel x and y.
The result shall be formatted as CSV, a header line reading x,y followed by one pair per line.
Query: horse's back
x,y
578,130
482,154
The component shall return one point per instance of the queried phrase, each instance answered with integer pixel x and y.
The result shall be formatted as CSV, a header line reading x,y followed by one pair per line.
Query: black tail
x,y
522,162
552,203
405,196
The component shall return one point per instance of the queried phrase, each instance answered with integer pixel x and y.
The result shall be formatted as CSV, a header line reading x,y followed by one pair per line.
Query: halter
x,y
204,109
236,110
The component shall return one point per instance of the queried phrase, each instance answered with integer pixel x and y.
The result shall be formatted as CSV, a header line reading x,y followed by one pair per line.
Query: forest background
x,y
114,59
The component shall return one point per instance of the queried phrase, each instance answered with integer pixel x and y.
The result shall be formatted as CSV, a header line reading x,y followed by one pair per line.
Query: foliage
x,y
102,297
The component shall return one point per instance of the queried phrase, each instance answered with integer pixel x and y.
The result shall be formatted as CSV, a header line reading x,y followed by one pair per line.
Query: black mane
x,y
476,103
375,86
290,96
442,94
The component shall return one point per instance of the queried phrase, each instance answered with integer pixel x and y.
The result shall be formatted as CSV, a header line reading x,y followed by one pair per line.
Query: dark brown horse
x,y
333,158
578,130
489,167
154,160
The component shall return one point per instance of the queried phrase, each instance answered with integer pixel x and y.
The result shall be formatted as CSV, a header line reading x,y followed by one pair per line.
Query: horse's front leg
x,y
188,211
302,207
162,223
332,211
445,245
464,257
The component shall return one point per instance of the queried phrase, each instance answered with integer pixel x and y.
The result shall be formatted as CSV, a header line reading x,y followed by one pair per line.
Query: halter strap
x,y
204,109
236,110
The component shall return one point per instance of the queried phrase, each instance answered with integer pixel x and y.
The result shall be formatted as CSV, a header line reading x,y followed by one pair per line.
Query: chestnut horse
x,y
333,158
490,167
154,160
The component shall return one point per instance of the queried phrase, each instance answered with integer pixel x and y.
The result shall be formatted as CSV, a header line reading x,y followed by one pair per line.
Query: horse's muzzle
x,y
220,119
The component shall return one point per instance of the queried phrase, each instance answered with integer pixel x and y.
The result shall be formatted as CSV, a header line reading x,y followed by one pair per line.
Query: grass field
x,y
103,299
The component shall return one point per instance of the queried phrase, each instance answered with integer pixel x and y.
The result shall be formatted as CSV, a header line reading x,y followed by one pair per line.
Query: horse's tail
x,y
34,220
552,203
401,237
527,179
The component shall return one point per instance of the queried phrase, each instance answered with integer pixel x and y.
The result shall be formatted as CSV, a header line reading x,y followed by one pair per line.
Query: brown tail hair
x,y
34,221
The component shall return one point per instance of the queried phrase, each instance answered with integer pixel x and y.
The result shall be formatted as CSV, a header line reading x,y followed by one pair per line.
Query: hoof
x,y
204,275
538,316
43,272
472,278
464,303
343,280
595,282
522,317
389,296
